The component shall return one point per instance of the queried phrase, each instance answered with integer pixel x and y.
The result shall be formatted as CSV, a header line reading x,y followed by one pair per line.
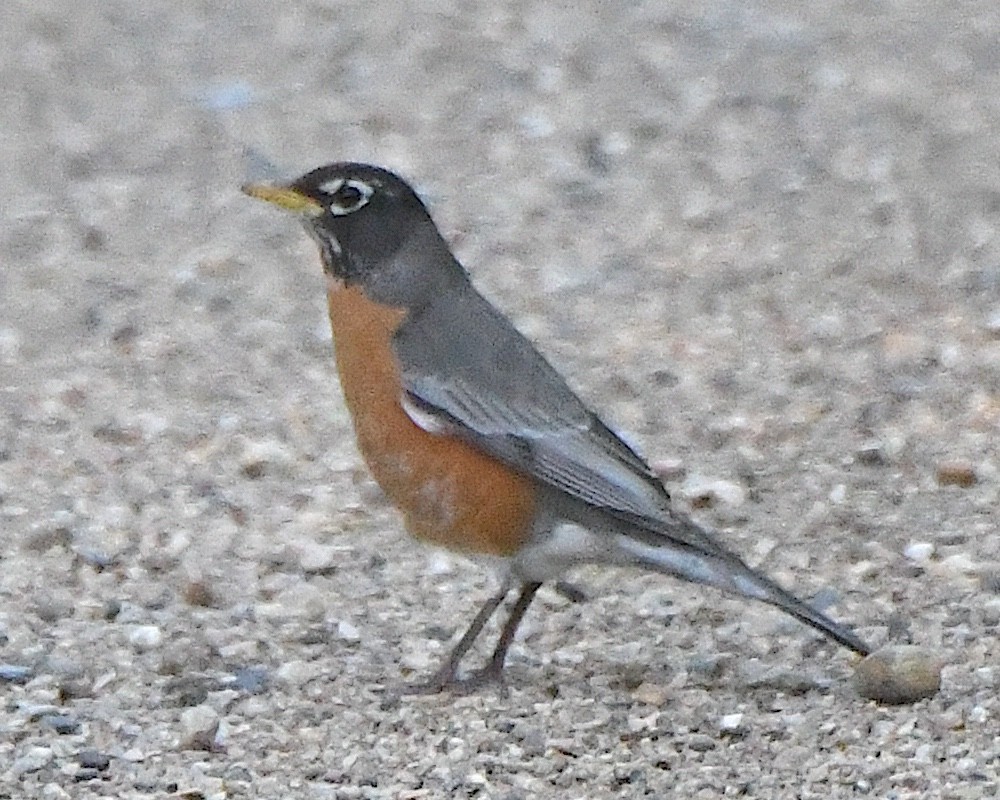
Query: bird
x,y
471,433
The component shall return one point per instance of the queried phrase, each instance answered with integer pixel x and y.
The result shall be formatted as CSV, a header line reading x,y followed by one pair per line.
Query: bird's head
x,y
371,228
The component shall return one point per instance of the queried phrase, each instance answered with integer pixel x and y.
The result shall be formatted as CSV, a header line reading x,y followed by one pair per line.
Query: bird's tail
x,y
687,551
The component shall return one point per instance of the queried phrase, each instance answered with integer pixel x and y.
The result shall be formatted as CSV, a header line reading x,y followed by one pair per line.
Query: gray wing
x,y
501,395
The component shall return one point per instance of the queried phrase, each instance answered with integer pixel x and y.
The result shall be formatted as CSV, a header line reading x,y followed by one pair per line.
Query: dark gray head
x,y
372,231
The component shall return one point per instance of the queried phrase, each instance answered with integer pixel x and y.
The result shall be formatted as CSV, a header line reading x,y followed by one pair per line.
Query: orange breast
x,y
450,493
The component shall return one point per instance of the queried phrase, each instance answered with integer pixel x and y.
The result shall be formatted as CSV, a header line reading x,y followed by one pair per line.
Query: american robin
x,y
470,432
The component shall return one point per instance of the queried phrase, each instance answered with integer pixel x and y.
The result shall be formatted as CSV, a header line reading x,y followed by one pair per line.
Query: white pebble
x,y
199,726
348,632
33,760
416,660
924,754
145,637
53,791
993,322
919,552
966,765
731,723
10,345
318,557
960,563
296,673
643,723
726,492
440,563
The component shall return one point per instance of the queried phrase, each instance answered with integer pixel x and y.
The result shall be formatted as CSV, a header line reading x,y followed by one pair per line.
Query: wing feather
x,y
493,388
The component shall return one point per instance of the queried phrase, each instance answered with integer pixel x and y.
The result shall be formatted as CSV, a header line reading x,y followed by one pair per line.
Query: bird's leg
x,y
445,676
494,670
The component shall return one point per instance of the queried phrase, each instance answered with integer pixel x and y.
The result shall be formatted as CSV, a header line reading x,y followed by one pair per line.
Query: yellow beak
x,y
284,197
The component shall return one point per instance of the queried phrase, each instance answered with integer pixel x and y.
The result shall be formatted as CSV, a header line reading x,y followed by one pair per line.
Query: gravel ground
x,y
761,237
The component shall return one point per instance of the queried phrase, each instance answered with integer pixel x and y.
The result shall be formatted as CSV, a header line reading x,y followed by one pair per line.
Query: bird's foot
x,y
447,679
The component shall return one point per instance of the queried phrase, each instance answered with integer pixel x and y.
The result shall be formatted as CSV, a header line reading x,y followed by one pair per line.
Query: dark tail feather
x,y
803,612
693,555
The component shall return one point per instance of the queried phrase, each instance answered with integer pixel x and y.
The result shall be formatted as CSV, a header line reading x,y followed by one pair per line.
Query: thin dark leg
x,y
494,669
445,676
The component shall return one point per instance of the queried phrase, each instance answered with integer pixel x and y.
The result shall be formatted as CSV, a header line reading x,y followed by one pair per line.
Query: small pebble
x,y
701,743
61,723
200,593
252,680
74,689
348,632
924,754
919,552
265,458
668,469
14,673
709,669
99,559
189,691
239,772
626,774
989,580
959,564
652,694
702,493
111,610
319,558
899,674
64,667
872,454
732,724
94,759
993,323
756,675
199,726
33,760
54,608
956,473
991,611
966,766
36,711
643,723
53,791
41,540
440,563
297,672
145,637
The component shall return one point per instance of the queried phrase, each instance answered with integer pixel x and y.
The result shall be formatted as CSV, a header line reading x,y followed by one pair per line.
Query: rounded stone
x,y
899,674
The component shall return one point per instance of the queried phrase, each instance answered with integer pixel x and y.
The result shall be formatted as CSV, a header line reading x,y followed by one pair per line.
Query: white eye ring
x,y
332,188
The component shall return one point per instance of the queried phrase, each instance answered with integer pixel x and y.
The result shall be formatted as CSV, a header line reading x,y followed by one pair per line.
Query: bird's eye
x,y
347,196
